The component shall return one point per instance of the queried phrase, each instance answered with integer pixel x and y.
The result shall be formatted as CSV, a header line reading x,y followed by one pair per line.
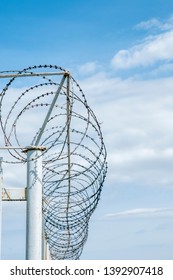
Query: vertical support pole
x,y
68,159
1,185
46,251
34,203
44,243
44,247
68,137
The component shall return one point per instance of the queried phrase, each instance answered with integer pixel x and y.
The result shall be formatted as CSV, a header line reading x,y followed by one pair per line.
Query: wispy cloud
x,y
137,116
155,23
150,24
154,49
142,212
88,68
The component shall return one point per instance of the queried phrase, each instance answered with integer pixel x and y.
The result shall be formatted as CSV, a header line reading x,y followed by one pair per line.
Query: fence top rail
x,y
33,74
23,148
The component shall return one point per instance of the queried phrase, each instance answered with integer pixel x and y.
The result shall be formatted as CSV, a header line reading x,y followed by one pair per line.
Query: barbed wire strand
x,y
74,163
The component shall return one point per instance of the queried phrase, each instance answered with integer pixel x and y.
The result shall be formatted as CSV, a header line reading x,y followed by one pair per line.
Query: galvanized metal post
x,y
34,203
1,183
68,138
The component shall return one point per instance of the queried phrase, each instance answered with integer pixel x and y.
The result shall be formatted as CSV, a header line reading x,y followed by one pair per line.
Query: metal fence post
x,y
1,183
34,203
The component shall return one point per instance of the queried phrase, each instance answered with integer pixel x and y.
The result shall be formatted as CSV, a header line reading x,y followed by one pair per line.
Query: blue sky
x,y
121,53
73,32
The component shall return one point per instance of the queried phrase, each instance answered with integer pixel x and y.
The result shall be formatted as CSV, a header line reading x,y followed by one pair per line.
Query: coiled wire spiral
x,y
74,163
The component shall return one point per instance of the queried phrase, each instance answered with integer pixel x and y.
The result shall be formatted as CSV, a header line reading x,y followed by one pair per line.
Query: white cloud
x,y
137,118
155,23
143,211
154,49
162,70
152,23
88,68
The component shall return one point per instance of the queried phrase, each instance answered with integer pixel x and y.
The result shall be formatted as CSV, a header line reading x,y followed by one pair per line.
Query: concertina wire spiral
x,y
71,186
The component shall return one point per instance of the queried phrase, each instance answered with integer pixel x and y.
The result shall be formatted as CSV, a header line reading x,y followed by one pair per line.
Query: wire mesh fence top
x,y
47,107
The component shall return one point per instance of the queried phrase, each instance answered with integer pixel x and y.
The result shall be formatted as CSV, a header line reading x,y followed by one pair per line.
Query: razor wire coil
x,y
74,162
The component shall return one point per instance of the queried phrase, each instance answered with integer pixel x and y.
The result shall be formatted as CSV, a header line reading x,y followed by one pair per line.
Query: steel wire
x,y
74,162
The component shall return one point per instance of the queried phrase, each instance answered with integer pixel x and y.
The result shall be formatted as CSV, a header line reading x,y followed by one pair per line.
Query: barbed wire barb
x,y
52,111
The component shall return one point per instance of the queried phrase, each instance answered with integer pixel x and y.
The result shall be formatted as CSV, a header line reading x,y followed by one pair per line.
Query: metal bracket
x,y
14,194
